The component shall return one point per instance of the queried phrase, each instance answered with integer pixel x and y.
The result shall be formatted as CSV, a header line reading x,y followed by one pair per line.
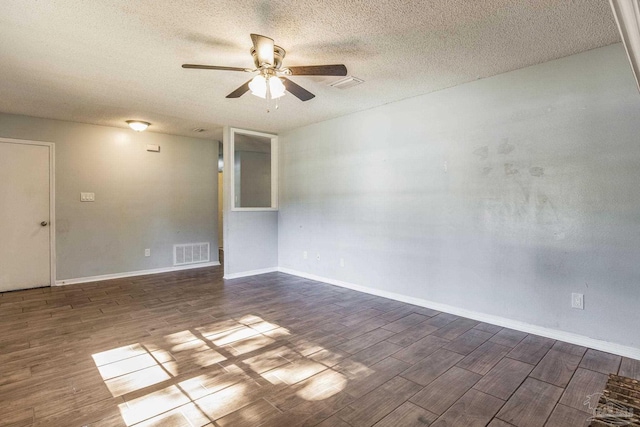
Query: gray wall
x,y
255,172
250,238
143,199
500,196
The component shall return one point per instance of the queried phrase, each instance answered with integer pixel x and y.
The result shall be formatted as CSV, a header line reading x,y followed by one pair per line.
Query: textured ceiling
x,y
104,62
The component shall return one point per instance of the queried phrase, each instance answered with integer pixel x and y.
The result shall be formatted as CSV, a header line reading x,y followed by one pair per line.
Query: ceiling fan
x,y
267,58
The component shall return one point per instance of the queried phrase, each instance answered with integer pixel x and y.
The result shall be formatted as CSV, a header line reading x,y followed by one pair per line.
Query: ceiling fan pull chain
x,y
268,96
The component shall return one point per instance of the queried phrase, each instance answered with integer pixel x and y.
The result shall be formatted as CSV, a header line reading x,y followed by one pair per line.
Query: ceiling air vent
x,y
347,82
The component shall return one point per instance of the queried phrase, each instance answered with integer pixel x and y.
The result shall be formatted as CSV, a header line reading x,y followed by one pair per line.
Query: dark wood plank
x,y
443,392
405,322
563,416
362,379
15,376
412,334
18,418
556,368
398,313
294,372
468,341
441,319
474,409
583,384
329,357
421,349
315,411
431,367
375,353
508,337
630,368
333,421
531,404
504,378
485,357
531,349
486,327
407,415
363,328
360,316
600,361
251,415
454,329
363,341
377,404
323,386
564,347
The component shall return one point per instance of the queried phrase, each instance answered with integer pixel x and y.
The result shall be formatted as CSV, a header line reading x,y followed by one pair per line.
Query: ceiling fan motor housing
x,y
278,56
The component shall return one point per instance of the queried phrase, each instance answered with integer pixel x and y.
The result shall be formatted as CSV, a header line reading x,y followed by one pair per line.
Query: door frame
x,y
52,200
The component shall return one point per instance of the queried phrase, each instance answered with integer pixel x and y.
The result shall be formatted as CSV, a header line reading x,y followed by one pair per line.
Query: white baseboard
x,y
134,273
250,273
555,334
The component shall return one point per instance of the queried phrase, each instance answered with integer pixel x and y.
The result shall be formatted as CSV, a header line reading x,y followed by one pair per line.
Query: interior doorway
x,y
26,214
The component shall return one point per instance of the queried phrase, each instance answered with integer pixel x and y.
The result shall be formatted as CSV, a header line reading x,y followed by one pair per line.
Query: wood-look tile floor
x,y
189,349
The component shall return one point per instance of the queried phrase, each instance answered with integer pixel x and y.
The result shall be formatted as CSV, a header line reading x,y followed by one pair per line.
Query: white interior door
x,y
25,215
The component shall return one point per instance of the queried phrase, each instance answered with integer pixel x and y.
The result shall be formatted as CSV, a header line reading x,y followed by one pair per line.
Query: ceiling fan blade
x,y
212,67
297,90
240,91
264,49
319,70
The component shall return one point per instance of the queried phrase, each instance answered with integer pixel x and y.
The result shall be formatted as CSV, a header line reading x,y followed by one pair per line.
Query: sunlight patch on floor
x,y
248,345
127,366
293,372
152,405
117,354
136,380
228,337
185,415
179,393
322,386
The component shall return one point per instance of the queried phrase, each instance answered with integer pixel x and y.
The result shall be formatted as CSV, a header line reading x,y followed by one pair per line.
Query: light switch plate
x,y
87,197
577,301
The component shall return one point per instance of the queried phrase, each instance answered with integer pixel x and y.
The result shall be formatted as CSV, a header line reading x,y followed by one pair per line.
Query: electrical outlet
x,y
318,256
341,262
305,255
147,252
87,197
577,301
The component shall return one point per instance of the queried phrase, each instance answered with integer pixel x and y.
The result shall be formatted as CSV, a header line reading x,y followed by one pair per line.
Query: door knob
x,y
44,223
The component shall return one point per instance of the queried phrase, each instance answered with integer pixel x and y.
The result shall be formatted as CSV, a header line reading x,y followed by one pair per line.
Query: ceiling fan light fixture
x,y
138,125
276,87
258,86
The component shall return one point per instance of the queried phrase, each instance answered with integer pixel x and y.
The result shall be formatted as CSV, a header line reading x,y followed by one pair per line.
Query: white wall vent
x,y
347,82
190,253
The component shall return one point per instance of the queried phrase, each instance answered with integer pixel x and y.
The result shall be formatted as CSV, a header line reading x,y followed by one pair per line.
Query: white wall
x,y
143,199
500,196
250,238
